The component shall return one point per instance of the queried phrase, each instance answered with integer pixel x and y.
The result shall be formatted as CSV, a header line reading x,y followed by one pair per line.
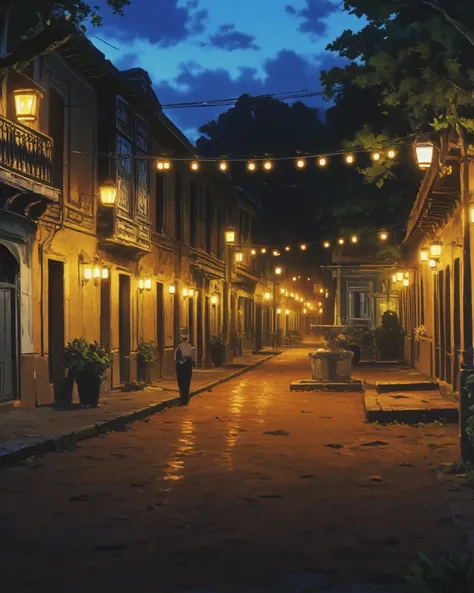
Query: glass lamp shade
x,y
424,154
108,193
435,249
26,104
230,236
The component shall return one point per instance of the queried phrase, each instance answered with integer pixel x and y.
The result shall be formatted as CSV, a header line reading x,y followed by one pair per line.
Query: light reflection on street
x,y
187,438
236,404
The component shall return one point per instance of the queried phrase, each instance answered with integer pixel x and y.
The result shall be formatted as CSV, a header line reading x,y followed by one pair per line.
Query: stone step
x,y
410,407
393,386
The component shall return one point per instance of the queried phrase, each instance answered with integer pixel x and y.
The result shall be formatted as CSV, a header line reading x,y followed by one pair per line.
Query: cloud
x,y
287,71
162,22
313,16
229,39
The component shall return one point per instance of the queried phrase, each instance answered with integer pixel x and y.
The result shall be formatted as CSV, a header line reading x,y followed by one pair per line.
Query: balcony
x,y
26,160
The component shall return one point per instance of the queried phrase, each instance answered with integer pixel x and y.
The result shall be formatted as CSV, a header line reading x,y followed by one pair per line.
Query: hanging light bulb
x,y
340,241
326,245
350,159
287,248
303,247
391,154
383,235
195,166
376,156
276,253
294,278
263,250
322,161
251,166
267,165
354,239
321,290
253,252
301,163
163,165
223,166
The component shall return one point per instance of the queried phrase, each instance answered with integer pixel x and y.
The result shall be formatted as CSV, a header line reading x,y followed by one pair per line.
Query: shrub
x,y
146,352
450,571
82,356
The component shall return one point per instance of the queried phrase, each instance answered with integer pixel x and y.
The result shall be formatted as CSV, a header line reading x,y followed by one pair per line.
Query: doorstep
x,y
35,432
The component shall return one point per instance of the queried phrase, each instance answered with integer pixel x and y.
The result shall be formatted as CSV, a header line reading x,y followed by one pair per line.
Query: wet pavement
x,y
252,488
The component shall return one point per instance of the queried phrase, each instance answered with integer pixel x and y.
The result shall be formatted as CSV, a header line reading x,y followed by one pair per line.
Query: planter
x,y
144,372
217,354
88,386
356,350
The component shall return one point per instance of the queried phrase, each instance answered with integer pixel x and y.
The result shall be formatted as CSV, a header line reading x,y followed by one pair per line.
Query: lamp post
x,y
230,236
425,151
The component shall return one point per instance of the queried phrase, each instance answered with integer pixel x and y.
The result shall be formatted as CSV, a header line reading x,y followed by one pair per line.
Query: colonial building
x,y
111,229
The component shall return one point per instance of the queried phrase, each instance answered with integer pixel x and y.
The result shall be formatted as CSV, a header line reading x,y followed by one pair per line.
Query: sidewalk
x,y
28,433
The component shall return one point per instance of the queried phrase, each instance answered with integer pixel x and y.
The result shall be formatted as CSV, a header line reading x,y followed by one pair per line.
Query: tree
x,y
33,27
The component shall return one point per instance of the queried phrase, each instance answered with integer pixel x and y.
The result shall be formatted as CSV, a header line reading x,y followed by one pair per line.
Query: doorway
x,y
160,325
447,323
207,322
442,330
124,328
9,342
200,333
191,321
56,326
457,323
105,313
258,327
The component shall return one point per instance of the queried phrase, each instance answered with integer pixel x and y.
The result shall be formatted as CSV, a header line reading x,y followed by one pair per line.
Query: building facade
x,y
97,240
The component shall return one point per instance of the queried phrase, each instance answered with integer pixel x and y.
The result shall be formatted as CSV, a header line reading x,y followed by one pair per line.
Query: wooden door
x,y
124,328
56,326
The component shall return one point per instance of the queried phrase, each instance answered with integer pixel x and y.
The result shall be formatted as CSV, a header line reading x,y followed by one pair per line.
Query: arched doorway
x,y
8,324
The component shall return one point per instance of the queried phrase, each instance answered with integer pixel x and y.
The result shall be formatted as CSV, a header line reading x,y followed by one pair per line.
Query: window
x,y
178,219
132,171
358,305
160,203
209,217
193,207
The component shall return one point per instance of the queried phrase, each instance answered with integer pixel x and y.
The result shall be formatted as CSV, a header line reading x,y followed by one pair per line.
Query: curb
x,y
70,439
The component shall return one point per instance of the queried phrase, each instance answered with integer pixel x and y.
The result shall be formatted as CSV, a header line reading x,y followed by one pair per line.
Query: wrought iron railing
x,y
25,151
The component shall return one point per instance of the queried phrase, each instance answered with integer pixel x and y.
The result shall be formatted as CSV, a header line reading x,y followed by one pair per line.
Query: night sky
x,y
211,49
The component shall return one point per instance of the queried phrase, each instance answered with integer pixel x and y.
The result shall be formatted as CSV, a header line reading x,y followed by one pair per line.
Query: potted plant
x,y
87,361
146,356
217,350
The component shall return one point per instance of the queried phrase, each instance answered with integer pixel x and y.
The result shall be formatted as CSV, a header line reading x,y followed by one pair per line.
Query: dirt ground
x,y
249,482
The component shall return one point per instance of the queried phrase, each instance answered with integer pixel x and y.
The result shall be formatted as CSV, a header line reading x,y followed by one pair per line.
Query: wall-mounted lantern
x,y
172,289
424,154
282,291
229,235
185,293
87,273
278,271
105,273
406,282
267,296
163,165
287,311
433,264
239,256
383,235
424,254
278,311
191,293
214,300
394,278
144,284
399,276
304,311
26,104
435,249
108,193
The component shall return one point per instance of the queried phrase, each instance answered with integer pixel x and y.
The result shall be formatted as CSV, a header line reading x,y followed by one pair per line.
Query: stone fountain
x,y
331,366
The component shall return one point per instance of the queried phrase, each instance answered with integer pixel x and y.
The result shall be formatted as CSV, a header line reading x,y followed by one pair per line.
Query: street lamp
x,y
424,254
435,249
278,271
424,154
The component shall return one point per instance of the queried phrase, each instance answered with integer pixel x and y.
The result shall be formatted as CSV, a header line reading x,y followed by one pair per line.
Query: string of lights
x,y
353,239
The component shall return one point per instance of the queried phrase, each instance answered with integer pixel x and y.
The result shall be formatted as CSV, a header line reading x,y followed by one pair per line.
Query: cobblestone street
x,y
245,486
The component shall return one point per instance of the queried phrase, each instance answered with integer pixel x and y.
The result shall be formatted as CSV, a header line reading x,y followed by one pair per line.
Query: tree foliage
x,y
418,61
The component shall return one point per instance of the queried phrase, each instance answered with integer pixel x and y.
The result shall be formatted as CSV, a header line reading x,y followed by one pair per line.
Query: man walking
x,y
185,358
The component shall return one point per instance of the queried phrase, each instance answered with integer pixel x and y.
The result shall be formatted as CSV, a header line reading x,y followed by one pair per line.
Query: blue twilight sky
x,y
211,49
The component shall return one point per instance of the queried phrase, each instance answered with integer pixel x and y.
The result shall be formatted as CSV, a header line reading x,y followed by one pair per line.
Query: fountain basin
x,y
331,365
